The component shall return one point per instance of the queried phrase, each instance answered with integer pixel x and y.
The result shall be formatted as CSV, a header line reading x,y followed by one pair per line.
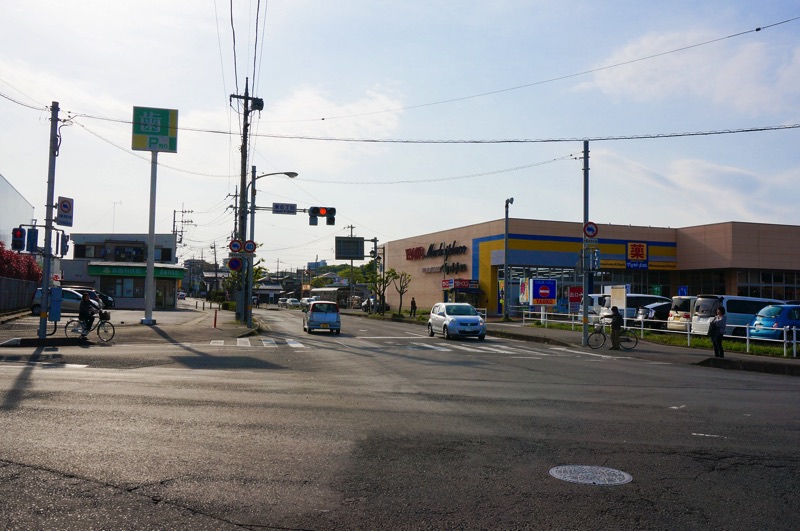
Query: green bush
x,y
229,305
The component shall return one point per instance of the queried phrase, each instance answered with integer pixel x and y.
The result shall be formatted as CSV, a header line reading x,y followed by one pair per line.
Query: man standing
x,y
616,327
413,307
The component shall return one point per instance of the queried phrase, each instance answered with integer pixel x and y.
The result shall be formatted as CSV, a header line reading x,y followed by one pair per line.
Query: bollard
x,y
204,305
195,305
215,318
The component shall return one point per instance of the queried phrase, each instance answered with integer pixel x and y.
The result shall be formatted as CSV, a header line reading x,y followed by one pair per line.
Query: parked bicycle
x,y
627,338
103,325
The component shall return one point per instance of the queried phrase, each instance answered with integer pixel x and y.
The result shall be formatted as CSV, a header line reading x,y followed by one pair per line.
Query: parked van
x,y
633,301
680,315
739,310
595,302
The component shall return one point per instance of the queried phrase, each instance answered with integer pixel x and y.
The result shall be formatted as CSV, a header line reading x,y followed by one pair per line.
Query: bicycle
x,y
627,338
103,325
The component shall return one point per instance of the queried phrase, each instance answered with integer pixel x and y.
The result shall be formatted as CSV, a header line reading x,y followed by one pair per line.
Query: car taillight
x,y
687,316
775,325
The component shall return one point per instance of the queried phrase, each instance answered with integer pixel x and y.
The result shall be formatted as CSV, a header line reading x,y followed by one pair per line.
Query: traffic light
x,y
328,212
18,239
64,244
32,241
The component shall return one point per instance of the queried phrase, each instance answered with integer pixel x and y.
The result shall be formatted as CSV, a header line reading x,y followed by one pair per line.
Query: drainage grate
x,y
590,475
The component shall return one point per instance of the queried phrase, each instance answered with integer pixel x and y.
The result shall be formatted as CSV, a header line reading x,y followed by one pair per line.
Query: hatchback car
x,y
322,315
70,301
282,302
772,321
292,303
452,319
94,295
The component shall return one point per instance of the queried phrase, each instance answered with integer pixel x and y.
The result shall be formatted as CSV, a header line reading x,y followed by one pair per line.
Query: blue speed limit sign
x,y
249,246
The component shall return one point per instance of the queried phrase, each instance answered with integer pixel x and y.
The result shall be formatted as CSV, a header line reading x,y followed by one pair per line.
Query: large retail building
x,y
467,264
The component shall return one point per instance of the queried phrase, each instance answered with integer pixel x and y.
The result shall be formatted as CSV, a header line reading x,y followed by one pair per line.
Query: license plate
x,y
324,325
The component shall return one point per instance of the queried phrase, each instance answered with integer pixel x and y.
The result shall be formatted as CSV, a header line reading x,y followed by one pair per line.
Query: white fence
x,y
791,335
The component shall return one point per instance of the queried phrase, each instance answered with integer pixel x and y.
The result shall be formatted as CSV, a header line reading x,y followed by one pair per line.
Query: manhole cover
x,y
590,475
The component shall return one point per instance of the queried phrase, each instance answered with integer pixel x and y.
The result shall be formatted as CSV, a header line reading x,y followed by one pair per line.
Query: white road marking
x,y
217,342
242,342
268,342
294,344
432,347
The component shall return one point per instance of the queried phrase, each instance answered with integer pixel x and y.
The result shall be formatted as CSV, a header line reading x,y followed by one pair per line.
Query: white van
x,y
739,310
595,302
633,301
680,314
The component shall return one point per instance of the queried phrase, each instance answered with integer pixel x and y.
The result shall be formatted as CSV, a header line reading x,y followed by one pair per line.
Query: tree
x,y
401,285
379,285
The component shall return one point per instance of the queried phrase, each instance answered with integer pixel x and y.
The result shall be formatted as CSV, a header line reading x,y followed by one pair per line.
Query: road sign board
x,y
590,241
249,246
235,246
544,292
235,264
284,208
155,129
590,230
64,216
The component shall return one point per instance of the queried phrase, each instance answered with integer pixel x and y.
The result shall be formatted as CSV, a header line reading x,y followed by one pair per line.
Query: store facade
x,y
467,264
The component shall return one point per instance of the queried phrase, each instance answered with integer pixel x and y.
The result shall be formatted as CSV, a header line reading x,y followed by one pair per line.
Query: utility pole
x,y
241,228
48,223
179,233
588,281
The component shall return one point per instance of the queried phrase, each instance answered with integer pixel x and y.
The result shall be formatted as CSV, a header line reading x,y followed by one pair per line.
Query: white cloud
x,y
750,77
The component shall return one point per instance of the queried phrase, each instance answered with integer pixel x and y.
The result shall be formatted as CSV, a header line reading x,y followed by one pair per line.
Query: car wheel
x,y
339,331
36,309
446,332
430,330
482,337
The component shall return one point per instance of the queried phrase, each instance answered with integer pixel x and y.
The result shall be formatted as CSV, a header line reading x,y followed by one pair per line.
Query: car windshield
x,y
458,309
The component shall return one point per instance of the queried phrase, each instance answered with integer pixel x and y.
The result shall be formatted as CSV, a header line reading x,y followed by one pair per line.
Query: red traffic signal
x,y
328,212
18,239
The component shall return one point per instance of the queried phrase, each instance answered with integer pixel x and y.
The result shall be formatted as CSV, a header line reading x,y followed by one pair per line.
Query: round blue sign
x,y
235,246
249,246
235,264
590,230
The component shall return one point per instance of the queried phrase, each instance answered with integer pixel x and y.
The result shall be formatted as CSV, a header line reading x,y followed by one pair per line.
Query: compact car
x,y
771,322
322,315
70,301
456,319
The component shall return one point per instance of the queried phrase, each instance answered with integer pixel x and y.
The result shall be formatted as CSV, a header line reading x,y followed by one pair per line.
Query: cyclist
x,y
86,313
616,327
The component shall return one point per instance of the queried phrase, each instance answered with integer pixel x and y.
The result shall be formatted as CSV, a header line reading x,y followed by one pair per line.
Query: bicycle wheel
x,y
73,328
105,331
596,339
628,339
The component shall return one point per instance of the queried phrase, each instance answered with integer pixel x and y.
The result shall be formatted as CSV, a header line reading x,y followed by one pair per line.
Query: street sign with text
x,y
284,208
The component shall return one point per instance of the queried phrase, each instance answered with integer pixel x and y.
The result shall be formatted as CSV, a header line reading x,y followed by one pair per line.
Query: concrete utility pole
x,y
587,269
48,221
241,227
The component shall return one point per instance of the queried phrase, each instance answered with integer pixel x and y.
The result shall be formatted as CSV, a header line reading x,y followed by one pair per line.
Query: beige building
x,y
467,263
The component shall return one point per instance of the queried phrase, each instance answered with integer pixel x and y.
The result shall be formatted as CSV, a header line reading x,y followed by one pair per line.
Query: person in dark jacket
x,y
86,313
616,327
716,329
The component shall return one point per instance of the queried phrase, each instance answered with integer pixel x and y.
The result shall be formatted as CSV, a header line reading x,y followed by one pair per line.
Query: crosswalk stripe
x,y
268,342
432,347
242,342
217,342
294,344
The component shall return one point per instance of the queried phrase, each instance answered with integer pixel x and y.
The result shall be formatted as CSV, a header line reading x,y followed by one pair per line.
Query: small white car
x,y
322,315
292,303
456,319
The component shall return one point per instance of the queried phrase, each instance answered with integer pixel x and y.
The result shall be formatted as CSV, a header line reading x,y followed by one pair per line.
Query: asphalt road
x,y
382,427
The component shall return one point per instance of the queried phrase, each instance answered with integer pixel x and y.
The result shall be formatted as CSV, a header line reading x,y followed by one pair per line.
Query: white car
x,y
292,303
456,319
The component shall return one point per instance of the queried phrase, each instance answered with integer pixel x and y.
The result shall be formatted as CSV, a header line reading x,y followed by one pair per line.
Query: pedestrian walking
x,y
716,329
413,307
616,327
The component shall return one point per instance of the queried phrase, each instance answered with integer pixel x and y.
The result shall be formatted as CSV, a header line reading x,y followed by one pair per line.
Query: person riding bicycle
x,y
616,327
86,313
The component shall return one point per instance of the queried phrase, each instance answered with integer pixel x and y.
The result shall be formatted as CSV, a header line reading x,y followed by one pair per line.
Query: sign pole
x,y
587,284
150,280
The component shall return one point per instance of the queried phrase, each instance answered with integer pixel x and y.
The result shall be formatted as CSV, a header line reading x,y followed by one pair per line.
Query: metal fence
x,y
16,294
790,340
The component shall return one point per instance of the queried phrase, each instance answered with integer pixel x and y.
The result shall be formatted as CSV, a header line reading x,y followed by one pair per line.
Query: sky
x,y
407,117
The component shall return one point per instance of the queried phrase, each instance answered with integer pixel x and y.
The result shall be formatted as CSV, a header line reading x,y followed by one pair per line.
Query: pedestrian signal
x,y
18,239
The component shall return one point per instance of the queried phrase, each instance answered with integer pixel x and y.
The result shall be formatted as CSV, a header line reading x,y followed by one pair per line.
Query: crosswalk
x,y
509,348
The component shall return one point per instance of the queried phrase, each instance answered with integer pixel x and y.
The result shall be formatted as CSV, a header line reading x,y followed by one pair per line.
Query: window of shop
x,y
131,288
784,285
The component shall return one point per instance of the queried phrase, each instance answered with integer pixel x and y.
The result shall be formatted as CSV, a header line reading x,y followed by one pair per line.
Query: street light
x,y
506,280
247,278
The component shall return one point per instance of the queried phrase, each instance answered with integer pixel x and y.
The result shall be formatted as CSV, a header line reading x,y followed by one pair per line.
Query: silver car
x,y
456,319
